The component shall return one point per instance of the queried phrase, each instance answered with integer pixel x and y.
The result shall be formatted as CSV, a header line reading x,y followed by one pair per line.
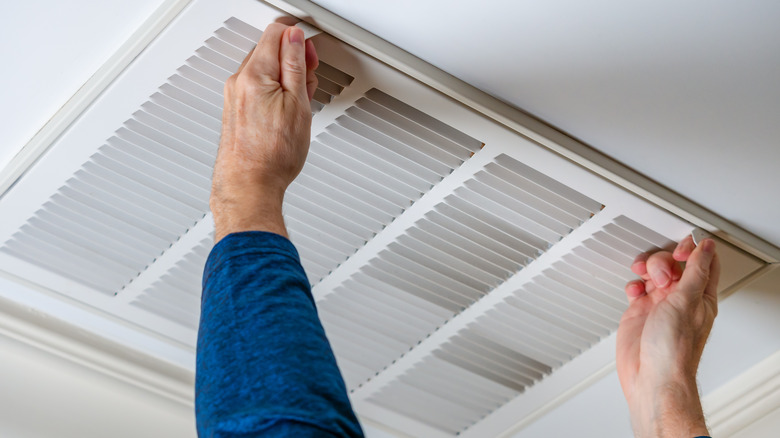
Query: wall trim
x,y
745,399
91,351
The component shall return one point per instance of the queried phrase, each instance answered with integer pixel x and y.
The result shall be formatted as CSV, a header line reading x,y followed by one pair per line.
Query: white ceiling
x,y
685,92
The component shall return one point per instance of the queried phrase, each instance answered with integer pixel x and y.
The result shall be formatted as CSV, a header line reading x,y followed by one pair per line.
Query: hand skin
x,y
266,130
662,335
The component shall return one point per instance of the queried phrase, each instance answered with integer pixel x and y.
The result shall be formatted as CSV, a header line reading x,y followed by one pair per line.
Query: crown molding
x,y
87,349
745,399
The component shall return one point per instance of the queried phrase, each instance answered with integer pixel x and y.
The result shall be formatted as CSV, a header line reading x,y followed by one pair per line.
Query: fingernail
x,y
708,246
660,277
296,36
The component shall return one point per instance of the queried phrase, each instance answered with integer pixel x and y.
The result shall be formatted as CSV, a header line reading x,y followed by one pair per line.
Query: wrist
x,y
249,209
668,409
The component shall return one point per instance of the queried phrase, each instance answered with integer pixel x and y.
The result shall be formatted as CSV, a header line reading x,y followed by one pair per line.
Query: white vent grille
x,y
460,251
176,295
363,172
542,325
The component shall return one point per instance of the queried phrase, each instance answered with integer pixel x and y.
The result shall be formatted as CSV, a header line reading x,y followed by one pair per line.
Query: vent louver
x,y
464,248
536,328
370,166
176,295
150,182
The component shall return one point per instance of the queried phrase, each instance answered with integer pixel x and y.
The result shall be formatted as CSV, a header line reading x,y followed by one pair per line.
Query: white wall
x,y
44,396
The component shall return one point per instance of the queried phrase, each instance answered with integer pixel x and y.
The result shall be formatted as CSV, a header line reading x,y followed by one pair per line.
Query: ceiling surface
x,y
686,93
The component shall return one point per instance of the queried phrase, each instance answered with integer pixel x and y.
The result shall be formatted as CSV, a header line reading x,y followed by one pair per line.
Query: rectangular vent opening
x,y
457,253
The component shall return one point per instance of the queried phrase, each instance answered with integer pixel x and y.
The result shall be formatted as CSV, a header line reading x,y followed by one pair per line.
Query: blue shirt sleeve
x,y
264,366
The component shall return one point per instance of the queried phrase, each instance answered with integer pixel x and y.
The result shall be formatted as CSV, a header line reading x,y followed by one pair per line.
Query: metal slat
x,y
250,32
388,130
562,190
423,119
178,165
235,39
386,179
209,69
371,134
457,150
207,133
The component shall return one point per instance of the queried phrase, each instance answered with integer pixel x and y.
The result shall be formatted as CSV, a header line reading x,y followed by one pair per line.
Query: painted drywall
x,y
684,92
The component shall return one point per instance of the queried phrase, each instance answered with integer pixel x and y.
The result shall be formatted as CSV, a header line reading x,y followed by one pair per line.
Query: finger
x,y
312,62
660,268
293,62
677,270
634,290
265,59
684,249
698,275
639,266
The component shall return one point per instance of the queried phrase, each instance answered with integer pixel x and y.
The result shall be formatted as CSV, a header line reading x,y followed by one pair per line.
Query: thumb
x,y
699,274
293,62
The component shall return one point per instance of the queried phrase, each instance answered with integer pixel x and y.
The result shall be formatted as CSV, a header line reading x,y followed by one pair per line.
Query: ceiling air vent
x,y
467,276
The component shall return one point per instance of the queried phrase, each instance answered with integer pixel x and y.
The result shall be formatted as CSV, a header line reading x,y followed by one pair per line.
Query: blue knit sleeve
x,y
264,365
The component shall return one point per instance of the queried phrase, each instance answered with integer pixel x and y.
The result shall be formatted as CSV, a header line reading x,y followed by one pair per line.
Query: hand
x,y
662,335
266,130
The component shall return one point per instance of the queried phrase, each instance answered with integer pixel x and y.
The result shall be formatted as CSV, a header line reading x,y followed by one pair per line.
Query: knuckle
x,y
230,83
246,84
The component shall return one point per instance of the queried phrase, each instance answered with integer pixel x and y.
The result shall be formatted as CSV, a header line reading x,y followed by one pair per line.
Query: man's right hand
x,y
266,128
662,335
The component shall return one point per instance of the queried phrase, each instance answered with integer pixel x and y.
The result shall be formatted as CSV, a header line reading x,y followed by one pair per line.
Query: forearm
x,y
671,409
